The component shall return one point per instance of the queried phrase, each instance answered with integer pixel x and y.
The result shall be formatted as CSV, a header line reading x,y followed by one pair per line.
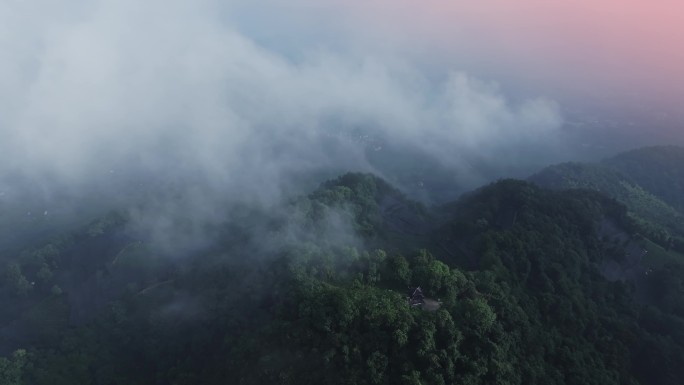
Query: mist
x,y
204,104
613,67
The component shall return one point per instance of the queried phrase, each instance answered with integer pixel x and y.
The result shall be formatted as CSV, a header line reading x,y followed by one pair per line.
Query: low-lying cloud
x,y
175,92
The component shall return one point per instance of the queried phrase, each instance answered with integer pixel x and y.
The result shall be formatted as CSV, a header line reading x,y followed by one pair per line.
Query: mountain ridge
x,y
531,286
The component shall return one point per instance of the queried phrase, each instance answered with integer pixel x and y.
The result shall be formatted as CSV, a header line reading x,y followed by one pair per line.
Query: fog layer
x,y
178,90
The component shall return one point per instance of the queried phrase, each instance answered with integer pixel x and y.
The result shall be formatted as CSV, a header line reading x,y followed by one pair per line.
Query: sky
x,y
233,98
629,44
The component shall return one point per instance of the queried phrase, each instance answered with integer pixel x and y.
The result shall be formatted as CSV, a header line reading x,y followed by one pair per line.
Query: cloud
x,y
179,92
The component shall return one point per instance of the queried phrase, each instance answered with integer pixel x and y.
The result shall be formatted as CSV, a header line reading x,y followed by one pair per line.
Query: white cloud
x,y
173,87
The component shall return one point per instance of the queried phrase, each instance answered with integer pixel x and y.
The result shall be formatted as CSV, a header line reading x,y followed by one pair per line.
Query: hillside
x,y
647,181
315,292
659,170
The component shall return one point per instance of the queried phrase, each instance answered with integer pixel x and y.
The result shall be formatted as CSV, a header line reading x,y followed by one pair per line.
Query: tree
x,y
478,314
399,270
56,290
11,369
15,280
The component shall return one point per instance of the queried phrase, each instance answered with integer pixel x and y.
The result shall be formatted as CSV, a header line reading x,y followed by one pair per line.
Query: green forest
x,y
573,277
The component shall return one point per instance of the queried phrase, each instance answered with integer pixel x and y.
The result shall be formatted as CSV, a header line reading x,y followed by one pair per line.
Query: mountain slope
x,y
648,209
659,170
314,292
648,181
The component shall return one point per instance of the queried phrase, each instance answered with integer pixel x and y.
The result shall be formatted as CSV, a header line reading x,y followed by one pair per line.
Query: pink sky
x,y
634,45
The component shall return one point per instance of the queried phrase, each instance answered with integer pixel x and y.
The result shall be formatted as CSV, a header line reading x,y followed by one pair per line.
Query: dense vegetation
x,y
316,293
648,181
657,169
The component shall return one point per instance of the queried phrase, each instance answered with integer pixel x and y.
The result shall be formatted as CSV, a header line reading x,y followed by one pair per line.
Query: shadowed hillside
x,y
647,181
528,282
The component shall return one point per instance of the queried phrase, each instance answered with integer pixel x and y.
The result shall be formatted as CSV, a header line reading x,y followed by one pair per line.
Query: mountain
x,y
659,170
521,284
648,181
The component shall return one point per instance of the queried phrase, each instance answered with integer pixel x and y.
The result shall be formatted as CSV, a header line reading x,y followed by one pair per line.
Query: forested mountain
x,y
519,285
658,170
648,181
